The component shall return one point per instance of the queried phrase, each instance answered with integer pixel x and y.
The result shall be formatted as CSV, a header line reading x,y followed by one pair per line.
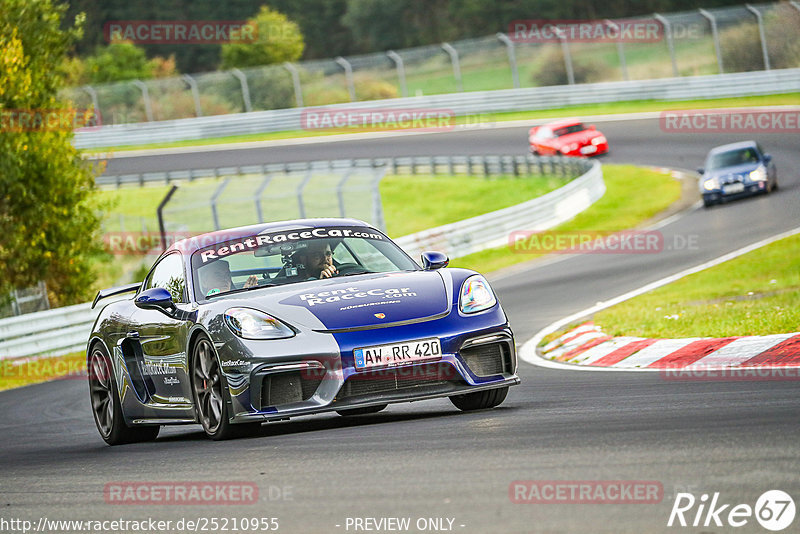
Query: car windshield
x,y
573,128
292,256
732,158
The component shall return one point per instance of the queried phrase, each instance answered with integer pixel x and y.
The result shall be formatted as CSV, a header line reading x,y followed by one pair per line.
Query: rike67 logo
x,y
774,510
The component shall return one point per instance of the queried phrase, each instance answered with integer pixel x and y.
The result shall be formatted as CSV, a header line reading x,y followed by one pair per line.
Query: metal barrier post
x,y
301,206
259,192
245,89
670,45
401,71
377,205
195,94
148,109
761,34
348,74
453,53
340,190
620,49
512,57
160,213
298,88
567,55
214,199
93,95
715,34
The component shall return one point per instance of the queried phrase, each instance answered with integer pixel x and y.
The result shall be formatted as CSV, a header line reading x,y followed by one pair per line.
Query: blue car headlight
x,y
758,175
711,183
476,295
248,323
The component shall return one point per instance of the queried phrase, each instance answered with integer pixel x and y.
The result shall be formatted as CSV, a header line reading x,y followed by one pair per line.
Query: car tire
x,y
106,406
707,203
209,395
362,411
480,400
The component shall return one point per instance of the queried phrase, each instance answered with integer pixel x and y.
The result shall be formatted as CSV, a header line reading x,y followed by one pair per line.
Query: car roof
x,y
192,244
732,146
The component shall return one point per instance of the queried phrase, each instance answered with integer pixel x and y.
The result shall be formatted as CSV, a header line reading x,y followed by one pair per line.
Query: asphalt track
x,y
738,438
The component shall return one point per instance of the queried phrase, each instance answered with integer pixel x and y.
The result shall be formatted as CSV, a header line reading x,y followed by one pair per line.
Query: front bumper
x,y
750,189
280,386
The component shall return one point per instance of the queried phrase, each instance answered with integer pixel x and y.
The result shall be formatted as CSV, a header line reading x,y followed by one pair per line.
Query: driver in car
x,y
317,259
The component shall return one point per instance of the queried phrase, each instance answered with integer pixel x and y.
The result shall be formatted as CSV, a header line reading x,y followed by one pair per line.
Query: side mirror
x,y
432,260
767,158
156,298
700,170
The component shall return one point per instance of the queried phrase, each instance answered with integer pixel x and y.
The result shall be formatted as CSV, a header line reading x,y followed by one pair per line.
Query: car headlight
x,y
253,324
759,175
476,295
599,140
711,183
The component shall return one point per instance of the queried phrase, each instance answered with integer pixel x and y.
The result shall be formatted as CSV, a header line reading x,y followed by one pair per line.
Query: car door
x,y
159,340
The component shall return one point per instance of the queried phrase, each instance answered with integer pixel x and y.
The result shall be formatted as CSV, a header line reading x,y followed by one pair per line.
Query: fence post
x,y
401,71
148,109
245,89
298,88
195,94
214,199
512,57
670,45
348,74
715,34
340,190
761,34
377,205
259,192
453,53
160,213
567,55
620,49
88,89
303,183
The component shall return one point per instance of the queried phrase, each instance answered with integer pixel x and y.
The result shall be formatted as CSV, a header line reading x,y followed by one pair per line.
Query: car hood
x,y
581,138
355,302
744,168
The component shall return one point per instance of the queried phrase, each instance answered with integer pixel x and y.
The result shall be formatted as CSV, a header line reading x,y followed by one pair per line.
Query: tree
x,y
277,39
48,228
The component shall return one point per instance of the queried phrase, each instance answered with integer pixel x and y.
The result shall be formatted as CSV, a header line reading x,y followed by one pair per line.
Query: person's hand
x,y
328,271
252,281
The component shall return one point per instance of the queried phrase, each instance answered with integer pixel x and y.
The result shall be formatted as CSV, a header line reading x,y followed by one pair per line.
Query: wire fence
x,y
725,40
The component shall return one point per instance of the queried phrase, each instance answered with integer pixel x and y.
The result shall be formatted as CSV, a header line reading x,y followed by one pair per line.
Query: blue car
x,y
263,323
736,170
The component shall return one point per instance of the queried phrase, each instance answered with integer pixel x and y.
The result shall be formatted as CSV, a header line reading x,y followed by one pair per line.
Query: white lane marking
x,y
602,350
739,351
654,352
528,350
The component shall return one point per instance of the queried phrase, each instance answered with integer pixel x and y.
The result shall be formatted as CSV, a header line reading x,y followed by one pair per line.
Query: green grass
x,y
589,109
754,294
23,373
633,195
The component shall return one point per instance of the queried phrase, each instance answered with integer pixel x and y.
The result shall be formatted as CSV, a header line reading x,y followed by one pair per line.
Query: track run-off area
x,y
427,459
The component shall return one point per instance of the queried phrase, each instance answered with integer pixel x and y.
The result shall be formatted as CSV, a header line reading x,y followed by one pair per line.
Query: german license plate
x,y
731,189
394,354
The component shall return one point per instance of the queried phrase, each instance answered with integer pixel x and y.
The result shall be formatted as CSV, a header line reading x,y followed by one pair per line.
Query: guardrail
x,y
473,103
63,330
492,229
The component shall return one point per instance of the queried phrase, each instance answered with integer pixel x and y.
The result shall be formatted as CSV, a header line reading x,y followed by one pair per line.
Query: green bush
x,y
553,71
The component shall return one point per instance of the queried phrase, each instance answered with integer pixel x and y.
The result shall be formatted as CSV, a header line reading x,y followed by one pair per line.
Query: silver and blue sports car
x,y
267,322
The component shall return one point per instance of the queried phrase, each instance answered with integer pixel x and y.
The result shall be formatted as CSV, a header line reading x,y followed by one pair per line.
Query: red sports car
x,y
568,138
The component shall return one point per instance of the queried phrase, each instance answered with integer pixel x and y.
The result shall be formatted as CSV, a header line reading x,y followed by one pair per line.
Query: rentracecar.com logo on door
x,y
774,510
